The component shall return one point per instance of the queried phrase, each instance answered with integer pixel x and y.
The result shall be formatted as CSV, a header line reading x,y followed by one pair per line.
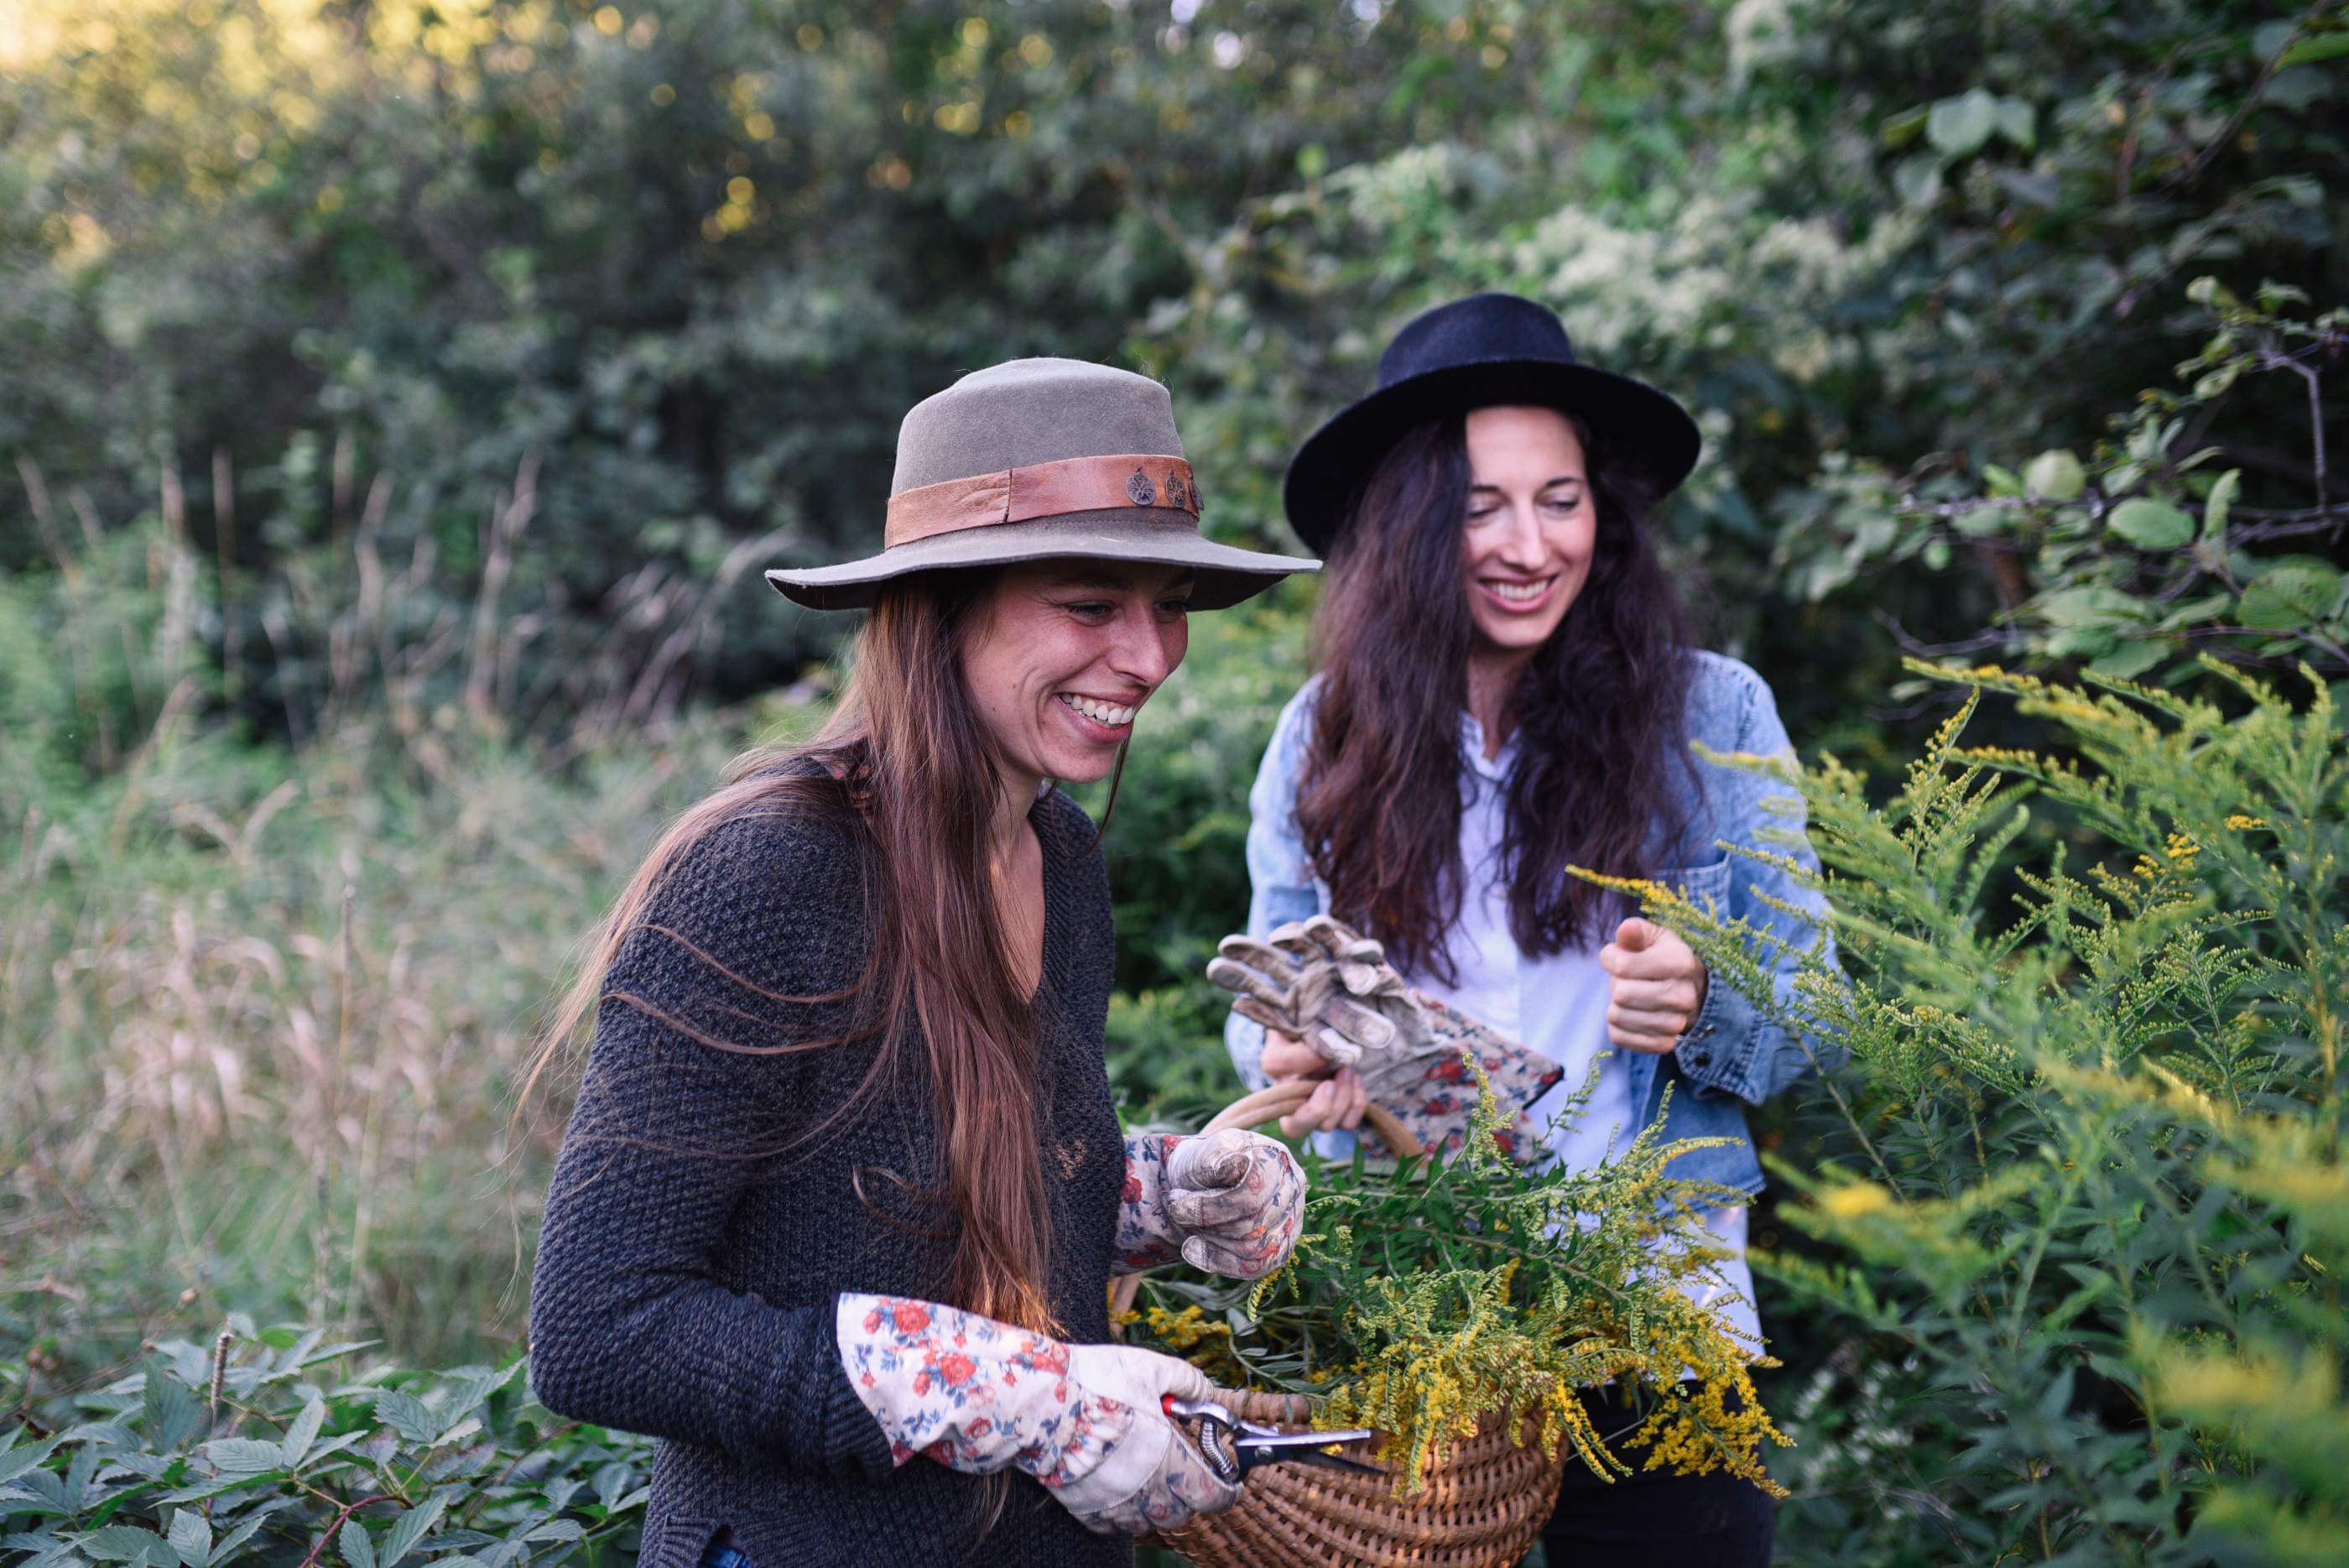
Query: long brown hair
x,y
904,762
1599,712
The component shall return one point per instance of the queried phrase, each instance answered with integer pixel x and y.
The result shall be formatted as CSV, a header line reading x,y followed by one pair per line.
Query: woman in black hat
x,y
1507,687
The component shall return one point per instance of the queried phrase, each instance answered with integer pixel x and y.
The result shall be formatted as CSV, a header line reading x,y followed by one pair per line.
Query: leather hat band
x,y
1041,490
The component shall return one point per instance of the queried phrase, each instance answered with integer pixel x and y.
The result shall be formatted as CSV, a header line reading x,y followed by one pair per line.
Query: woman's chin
x,y
1515,634
1088,764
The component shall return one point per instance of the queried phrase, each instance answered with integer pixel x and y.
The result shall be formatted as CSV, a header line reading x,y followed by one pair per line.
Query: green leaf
x,y
1959,124
1981,520
2130,659
2090,607
127,1544
245,1531
356,1546
2018,122
408,1529
2291,594
406,1415
1902,129
2325,46
1918,181
2055,475
192,1537
243,1456
2222,500
303,1432
2151,525
24,1456
173,1414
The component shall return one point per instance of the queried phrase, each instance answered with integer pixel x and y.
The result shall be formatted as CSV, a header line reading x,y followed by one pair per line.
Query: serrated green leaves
x,y
407,1530
107,1496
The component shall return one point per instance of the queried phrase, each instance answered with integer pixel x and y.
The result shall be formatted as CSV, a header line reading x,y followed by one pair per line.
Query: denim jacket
x,y
1731,1056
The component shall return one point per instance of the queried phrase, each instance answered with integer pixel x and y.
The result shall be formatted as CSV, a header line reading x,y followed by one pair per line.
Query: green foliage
x,y
267,1448
1429,1297
2086,1142
2135,560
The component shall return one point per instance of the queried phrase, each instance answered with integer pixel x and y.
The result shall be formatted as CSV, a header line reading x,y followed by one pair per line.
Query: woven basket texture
x,y
1482,1506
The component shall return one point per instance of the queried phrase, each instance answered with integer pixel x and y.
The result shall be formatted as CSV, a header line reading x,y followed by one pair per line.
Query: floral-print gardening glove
x,y
1329,986
1228,1202
978,1395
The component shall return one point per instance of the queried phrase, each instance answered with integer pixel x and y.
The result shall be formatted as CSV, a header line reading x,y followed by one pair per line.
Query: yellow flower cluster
x,y
1180,1331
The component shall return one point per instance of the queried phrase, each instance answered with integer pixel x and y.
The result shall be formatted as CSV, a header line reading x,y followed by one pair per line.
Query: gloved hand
x,y
1228,1202
978,1395
1333,987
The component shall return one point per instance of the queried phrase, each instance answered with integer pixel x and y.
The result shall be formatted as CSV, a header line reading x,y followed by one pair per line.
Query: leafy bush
x,y
268,1448
2079,1194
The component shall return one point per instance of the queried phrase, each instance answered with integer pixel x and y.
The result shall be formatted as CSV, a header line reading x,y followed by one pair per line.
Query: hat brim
x,y
1226,575
1647,428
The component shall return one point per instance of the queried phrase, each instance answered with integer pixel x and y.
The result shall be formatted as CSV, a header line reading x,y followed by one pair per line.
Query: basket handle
x,y
1267,1105
1271,1102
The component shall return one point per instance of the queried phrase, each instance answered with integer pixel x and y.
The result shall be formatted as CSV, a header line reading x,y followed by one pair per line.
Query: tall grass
x,y
261,1002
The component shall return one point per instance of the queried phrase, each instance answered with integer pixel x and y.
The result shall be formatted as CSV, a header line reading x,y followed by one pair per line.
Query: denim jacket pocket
x,y
1701,884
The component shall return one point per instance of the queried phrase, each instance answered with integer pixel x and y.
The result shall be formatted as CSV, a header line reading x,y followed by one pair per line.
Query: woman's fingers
x,y
1338,1101
1316,1113
1286,1057
1653,1033
1354,1098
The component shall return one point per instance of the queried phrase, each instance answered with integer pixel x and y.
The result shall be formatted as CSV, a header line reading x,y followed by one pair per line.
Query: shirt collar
x,y
1472,746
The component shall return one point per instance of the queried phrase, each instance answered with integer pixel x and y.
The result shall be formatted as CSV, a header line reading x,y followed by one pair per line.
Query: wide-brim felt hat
x,y
1484,351
1037,460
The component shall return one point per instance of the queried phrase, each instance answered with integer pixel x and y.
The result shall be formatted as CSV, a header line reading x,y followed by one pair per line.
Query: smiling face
x,y
1060,655
1530,528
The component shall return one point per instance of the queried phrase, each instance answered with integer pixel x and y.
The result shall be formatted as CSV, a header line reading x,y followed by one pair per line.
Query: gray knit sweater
x,y
686,1272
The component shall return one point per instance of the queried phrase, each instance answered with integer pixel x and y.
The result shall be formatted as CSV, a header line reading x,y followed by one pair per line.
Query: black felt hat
x,y
1485,350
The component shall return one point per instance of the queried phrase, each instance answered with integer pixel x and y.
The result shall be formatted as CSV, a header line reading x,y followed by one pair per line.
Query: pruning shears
x,y
1233,1448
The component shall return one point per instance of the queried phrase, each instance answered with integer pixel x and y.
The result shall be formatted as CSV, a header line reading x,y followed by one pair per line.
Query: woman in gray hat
x,y
1508,689
837,1208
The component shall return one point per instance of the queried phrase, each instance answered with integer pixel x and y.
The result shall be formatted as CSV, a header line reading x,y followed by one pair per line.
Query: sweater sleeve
x,y
630,1324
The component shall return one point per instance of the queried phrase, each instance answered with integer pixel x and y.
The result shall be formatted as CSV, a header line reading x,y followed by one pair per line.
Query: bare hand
x,y
1657,986
1339,1102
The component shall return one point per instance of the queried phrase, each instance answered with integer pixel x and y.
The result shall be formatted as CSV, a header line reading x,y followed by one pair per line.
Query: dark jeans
x,y
721,1555
1651,1519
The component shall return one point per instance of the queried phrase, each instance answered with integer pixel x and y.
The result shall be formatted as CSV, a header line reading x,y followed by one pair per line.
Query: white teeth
x,y
1520,593
1099,713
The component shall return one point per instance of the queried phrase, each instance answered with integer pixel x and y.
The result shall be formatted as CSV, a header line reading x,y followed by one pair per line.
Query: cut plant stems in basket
x,y
1432,1295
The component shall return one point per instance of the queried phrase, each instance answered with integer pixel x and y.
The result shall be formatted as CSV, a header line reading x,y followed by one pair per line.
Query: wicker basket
x,y
1480,1508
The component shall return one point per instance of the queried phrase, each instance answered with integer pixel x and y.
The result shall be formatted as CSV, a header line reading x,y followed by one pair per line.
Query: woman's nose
x,y
1140,652
1523,545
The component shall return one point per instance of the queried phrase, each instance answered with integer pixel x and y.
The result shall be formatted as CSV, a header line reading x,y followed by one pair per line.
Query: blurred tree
x,y
700,256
